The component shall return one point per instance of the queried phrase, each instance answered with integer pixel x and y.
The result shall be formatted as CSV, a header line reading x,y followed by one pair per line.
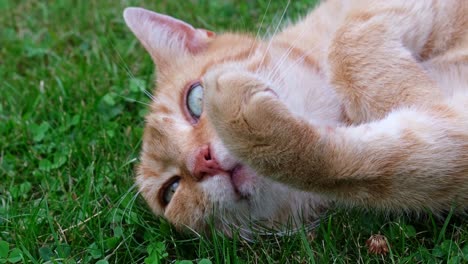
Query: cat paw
x,y
241,108
254,124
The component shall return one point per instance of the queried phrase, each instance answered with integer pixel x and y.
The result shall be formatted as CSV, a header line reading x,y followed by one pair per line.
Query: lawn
x,y
72,78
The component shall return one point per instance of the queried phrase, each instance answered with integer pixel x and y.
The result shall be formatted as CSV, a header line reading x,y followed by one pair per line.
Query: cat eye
x,y
169,191
194,100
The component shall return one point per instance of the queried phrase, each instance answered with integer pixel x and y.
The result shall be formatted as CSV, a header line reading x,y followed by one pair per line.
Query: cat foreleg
x,y
412,159
374,60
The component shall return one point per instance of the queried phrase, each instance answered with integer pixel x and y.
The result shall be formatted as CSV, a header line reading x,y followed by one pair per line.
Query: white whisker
x,y
132,76
297,61
150,95
125,66
129,206
274,33
134,100
119,202
259,28
286,54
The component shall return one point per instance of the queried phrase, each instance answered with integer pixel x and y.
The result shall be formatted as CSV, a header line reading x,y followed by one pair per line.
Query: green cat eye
x,y
169,191
195,100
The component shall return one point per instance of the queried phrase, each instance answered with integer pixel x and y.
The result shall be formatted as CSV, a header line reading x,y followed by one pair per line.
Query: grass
x,y
71,118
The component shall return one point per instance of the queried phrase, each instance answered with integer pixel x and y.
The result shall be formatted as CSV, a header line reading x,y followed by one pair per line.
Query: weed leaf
x,y
4,248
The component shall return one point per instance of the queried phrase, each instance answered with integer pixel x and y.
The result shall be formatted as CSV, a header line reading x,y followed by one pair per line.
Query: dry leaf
x,y
377,244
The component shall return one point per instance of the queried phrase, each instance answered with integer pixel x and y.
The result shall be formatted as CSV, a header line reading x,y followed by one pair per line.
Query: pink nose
x,y
205,164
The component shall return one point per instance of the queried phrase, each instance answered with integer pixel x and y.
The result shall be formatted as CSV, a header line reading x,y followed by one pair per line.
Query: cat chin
x,y
242,196
227,190
273,209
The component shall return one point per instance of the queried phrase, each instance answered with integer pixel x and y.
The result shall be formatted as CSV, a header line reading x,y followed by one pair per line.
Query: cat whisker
x,y
243,232
254,227
274,33
121,199
125,66
150,95
129,206
161,76
297,61
286,54
134,100
258,31
132,76
219,218
134,185
119,202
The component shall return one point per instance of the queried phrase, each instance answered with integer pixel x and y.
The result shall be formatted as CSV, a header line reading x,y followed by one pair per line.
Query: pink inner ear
x,y
194,39
210,34
180,28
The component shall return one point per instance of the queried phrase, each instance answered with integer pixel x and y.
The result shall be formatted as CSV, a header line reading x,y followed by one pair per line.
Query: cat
x,y
363,102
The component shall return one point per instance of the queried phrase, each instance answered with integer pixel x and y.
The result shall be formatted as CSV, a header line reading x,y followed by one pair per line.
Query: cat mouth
x,y
241,181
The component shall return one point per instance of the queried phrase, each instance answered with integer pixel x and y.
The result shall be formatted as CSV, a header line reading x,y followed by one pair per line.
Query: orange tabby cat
x,y
363,102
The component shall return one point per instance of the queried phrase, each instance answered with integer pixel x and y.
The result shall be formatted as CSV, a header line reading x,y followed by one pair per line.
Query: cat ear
x,y
165,37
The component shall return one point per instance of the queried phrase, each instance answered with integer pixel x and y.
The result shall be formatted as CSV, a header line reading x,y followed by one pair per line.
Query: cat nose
x,y
205,164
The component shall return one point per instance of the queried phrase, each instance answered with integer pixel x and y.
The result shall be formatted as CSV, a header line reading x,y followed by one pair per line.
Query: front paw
x,y
241,108
256,126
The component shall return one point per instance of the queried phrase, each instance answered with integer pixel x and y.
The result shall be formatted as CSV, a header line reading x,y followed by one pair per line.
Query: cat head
x,y
186,174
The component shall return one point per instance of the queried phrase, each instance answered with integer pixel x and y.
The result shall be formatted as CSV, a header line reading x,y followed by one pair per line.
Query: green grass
x,y
71,118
